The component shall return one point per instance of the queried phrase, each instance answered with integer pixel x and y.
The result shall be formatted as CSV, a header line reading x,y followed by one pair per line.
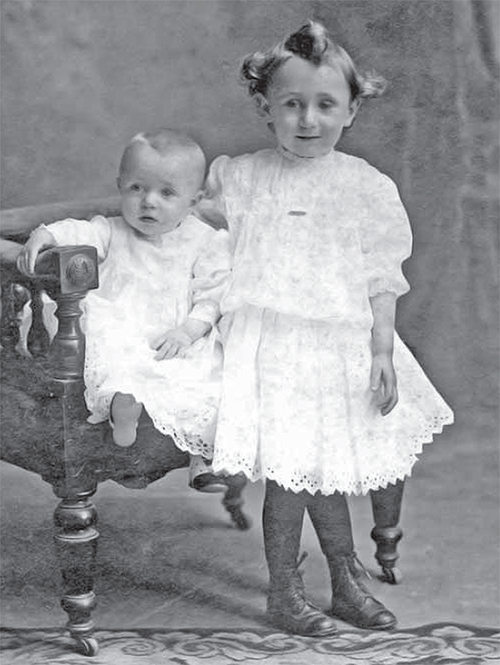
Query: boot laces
x,y
357,562
297,577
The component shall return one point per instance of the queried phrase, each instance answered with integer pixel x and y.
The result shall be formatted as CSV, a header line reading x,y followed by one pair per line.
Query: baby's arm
x,y
383,375
177,340
41,238
210,275
96,232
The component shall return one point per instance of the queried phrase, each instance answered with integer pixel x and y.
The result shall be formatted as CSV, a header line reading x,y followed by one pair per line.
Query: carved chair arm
x,y
67,274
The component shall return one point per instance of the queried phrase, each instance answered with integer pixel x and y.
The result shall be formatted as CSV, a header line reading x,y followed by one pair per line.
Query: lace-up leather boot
x,y
351,600
288,609
287,606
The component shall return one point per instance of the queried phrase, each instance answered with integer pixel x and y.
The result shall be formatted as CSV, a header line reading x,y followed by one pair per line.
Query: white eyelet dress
x,y
312,241
147,287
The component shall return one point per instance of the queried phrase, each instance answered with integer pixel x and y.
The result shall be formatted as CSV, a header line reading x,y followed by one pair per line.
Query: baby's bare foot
x,y
124,416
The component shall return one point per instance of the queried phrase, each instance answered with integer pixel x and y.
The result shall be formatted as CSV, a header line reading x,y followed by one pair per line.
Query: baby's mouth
x,y
146,219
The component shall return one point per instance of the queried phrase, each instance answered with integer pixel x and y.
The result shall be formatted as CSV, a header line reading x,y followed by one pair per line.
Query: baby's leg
x,y
123,418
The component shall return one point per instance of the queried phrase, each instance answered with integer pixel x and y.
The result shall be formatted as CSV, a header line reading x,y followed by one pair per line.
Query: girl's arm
x,y
383,377
386,243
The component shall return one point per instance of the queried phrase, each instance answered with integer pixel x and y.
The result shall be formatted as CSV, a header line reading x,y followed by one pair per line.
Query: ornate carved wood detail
x,y
76,541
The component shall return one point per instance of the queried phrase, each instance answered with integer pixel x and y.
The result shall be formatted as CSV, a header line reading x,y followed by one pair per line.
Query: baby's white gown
x,y
313,240
147,287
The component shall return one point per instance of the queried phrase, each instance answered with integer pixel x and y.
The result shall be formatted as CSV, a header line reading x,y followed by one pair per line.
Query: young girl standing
x,y
309,385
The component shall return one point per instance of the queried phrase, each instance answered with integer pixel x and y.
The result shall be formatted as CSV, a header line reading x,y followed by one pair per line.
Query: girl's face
x,y
309,106
157,190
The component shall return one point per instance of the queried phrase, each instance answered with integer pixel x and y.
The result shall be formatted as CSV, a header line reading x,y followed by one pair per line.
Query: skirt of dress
x,y
181,395
297,408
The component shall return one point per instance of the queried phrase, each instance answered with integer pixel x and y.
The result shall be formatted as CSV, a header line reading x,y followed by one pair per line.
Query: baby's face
x,y
309,106
157,190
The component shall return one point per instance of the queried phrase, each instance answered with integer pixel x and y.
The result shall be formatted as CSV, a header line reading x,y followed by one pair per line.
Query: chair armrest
x,y
67,274
18,222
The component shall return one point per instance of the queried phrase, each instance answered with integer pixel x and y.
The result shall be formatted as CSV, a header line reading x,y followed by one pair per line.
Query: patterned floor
x,y
434,644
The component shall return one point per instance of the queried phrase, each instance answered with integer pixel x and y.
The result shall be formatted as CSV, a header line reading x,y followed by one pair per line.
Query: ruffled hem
x,y
344,483
197,439
192,443
181,395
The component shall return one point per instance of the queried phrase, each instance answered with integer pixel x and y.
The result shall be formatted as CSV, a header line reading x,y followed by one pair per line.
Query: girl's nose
x,y
308,117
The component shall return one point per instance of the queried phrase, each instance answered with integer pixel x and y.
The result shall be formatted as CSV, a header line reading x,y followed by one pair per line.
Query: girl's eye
x,y
292,103
327,104
134,187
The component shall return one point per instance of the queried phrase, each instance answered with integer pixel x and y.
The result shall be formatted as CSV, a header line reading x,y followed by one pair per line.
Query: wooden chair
x,y
44,414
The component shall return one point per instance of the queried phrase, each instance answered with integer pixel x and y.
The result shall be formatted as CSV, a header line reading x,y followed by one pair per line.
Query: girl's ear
x,y
118,181
261,104
353,108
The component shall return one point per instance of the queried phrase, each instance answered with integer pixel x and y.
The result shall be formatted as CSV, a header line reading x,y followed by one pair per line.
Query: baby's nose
x,y
149,199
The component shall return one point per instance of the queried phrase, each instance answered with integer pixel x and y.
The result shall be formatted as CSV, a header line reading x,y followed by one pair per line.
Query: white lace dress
x,y
146,288
313,240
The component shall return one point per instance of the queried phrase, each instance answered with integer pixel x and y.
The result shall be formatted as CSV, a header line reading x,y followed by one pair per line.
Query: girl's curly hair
x,y
313,43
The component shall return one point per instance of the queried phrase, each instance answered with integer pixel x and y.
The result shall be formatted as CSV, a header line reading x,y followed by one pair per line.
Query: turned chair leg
x,y
233,501
76,542
386,508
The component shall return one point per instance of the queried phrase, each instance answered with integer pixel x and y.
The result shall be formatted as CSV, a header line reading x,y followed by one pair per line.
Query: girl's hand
x,y
174,344
383,382
39,239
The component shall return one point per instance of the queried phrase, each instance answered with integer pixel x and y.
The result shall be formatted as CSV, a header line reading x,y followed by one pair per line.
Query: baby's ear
x,y
261,104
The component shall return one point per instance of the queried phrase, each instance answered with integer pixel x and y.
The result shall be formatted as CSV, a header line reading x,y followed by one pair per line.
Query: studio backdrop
x,y
79,78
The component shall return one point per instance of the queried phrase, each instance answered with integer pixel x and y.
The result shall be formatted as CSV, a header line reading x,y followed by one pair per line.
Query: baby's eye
x,y
134,187
166,193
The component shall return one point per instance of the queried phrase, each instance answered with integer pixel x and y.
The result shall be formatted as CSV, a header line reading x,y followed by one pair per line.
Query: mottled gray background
x,y
80,77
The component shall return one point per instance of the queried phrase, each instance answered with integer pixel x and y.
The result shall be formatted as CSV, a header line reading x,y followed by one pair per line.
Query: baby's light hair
x,y
165,140
312,43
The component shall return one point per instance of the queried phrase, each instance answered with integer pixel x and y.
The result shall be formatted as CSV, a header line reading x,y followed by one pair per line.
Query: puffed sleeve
x,y
210,276
386,238
96,232
215,184
212,208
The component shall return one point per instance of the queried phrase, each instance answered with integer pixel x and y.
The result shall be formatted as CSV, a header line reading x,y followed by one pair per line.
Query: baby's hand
x,y
39,239
175,343
383,382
